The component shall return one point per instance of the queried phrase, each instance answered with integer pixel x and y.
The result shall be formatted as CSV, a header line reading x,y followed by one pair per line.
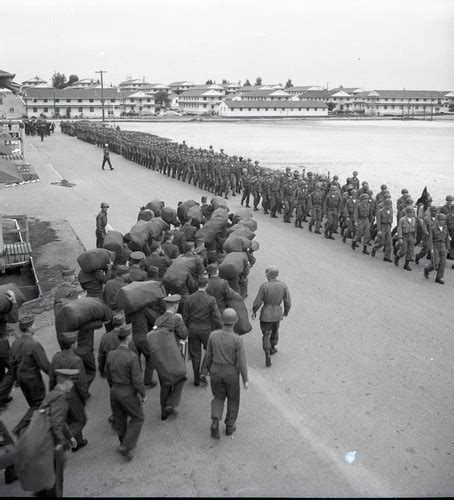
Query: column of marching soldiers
x,y
175,283
351,209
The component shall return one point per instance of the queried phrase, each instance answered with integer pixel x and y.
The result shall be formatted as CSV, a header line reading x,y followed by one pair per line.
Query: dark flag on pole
x,y
424,199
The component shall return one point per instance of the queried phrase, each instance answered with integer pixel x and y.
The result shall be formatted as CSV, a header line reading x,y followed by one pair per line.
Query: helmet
x,y
106,145
383,187
409,210
353,192
433,210
387,201
404,191
441,216
449,198
229,316
104,205
364,196
355,172
310,174
272,272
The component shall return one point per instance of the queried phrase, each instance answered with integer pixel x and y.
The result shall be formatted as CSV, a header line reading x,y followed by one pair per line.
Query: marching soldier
x,y
406,232
315,204
384,224
101,223
448,210
271,295
439,247
362,222
332,206
106,157
226,360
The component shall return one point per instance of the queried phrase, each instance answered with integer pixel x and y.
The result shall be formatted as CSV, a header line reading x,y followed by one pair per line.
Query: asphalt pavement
x,y
364,362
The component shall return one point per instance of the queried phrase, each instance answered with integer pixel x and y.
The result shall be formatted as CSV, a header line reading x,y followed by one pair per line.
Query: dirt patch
x,y
41,233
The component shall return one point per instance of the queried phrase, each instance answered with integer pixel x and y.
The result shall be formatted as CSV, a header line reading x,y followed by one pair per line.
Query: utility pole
x,y
101,72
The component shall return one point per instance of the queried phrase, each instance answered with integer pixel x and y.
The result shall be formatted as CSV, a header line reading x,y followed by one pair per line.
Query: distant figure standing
x,y
101,223
106,158
271,295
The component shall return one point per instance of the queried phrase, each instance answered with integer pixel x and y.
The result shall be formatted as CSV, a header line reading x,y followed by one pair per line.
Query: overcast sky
x,y
370,43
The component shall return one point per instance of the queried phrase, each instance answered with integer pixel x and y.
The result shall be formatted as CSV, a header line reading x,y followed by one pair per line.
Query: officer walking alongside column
x,y
106,157
226,360
101,223
439,247
271,295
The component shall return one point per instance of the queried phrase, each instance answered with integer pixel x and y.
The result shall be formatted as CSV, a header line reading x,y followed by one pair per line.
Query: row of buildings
x,y
138,97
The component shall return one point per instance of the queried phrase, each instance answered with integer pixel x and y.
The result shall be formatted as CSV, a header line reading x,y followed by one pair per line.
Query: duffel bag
x,y
140,233
242,231
243,213
195,213
138,294
168,214
5,304
113,241
76,313
218,201
95,259
166,356
183,209
221,212
157,226
211,229
248,222
177,273
145,214
233,265
236,243
243,324
156,206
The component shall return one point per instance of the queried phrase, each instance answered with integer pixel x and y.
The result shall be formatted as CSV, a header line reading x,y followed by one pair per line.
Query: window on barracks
x,y
90,100
80,110
79,100
92,110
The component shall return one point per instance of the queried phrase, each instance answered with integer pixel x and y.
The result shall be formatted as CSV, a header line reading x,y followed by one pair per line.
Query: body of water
x,y
410,154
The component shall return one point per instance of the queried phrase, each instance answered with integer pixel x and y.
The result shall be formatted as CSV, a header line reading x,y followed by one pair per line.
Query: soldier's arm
x,y
399,228
81,382
40,357
209,355
240,359
230,295
102,359
57,418
287,301
216,320
99,224
136,376
258,300
52,378
180,329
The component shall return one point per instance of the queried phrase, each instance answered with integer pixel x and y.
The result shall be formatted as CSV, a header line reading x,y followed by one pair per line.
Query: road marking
x,y
358,476
50,165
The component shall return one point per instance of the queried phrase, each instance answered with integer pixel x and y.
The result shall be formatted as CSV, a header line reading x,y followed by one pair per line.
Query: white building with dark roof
x,y
134,84
181,86
36,81
261,94
201,100
230,108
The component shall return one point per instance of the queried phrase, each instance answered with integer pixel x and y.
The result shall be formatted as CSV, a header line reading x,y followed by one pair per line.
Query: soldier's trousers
x,y
275,204
384,241
127,415
256,197
88,358
451,246
76,417
288,208
332,220
363,231
349,228
246,196
270,332
34,392
195,342
407,248
440,254
144,349
99,239
301,211
225,383
425,247
316,217
266,202
4,358
106,160
170,394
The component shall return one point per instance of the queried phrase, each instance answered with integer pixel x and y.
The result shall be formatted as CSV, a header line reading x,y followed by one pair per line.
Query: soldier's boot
x,y
426,273
387,259
304,219
296,222
354,244
407,266
417,259
214,429
396,260
365,251
300,224
310,227
336,231
439,280
373,252
267,358
344,237
330,235
326,233
266,212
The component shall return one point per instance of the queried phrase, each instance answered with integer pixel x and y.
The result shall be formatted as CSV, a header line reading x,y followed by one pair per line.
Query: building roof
x,y
70,93
35,79
315,94
264,93
406,94
180,84
274,104
201,92
349,90
133,81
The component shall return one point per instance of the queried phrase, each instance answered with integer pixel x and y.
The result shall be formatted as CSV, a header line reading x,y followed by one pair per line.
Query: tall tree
x,y
288,84
258,80
247,83
224,81
209,82
72,79
161,98
58,80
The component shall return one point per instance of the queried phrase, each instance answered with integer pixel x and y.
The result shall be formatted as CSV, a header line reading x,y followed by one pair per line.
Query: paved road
x,y
364,363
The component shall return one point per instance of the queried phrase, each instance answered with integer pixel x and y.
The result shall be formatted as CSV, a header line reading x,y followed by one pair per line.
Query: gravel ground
x,y
364,363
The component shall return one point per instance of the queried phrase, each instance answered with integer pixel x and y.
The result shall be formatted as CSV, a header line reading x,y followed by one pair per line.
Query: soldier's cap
x,y
449,197
364,196
383,187
355,172
433,210
68,338
272,272
104,205
335,178
248,159
310,174
441,216
409,210
202,280
296,172
387,201
66,374
189,246
124,330
137,256
229,316
256,162
254,245
68,272
404,191
26,322
288,169
121,269
172,299
119,318
364,183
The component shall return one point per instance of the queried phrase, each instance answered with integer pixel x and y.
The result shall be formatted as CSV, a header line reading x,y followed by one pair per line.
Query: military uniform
x,y
440,245
384,224
101,223
315,203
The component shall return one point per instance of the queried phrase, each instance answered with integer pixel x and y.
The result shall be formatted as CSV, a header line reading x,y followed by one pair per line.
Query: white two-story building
x,y
202,100
243,108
